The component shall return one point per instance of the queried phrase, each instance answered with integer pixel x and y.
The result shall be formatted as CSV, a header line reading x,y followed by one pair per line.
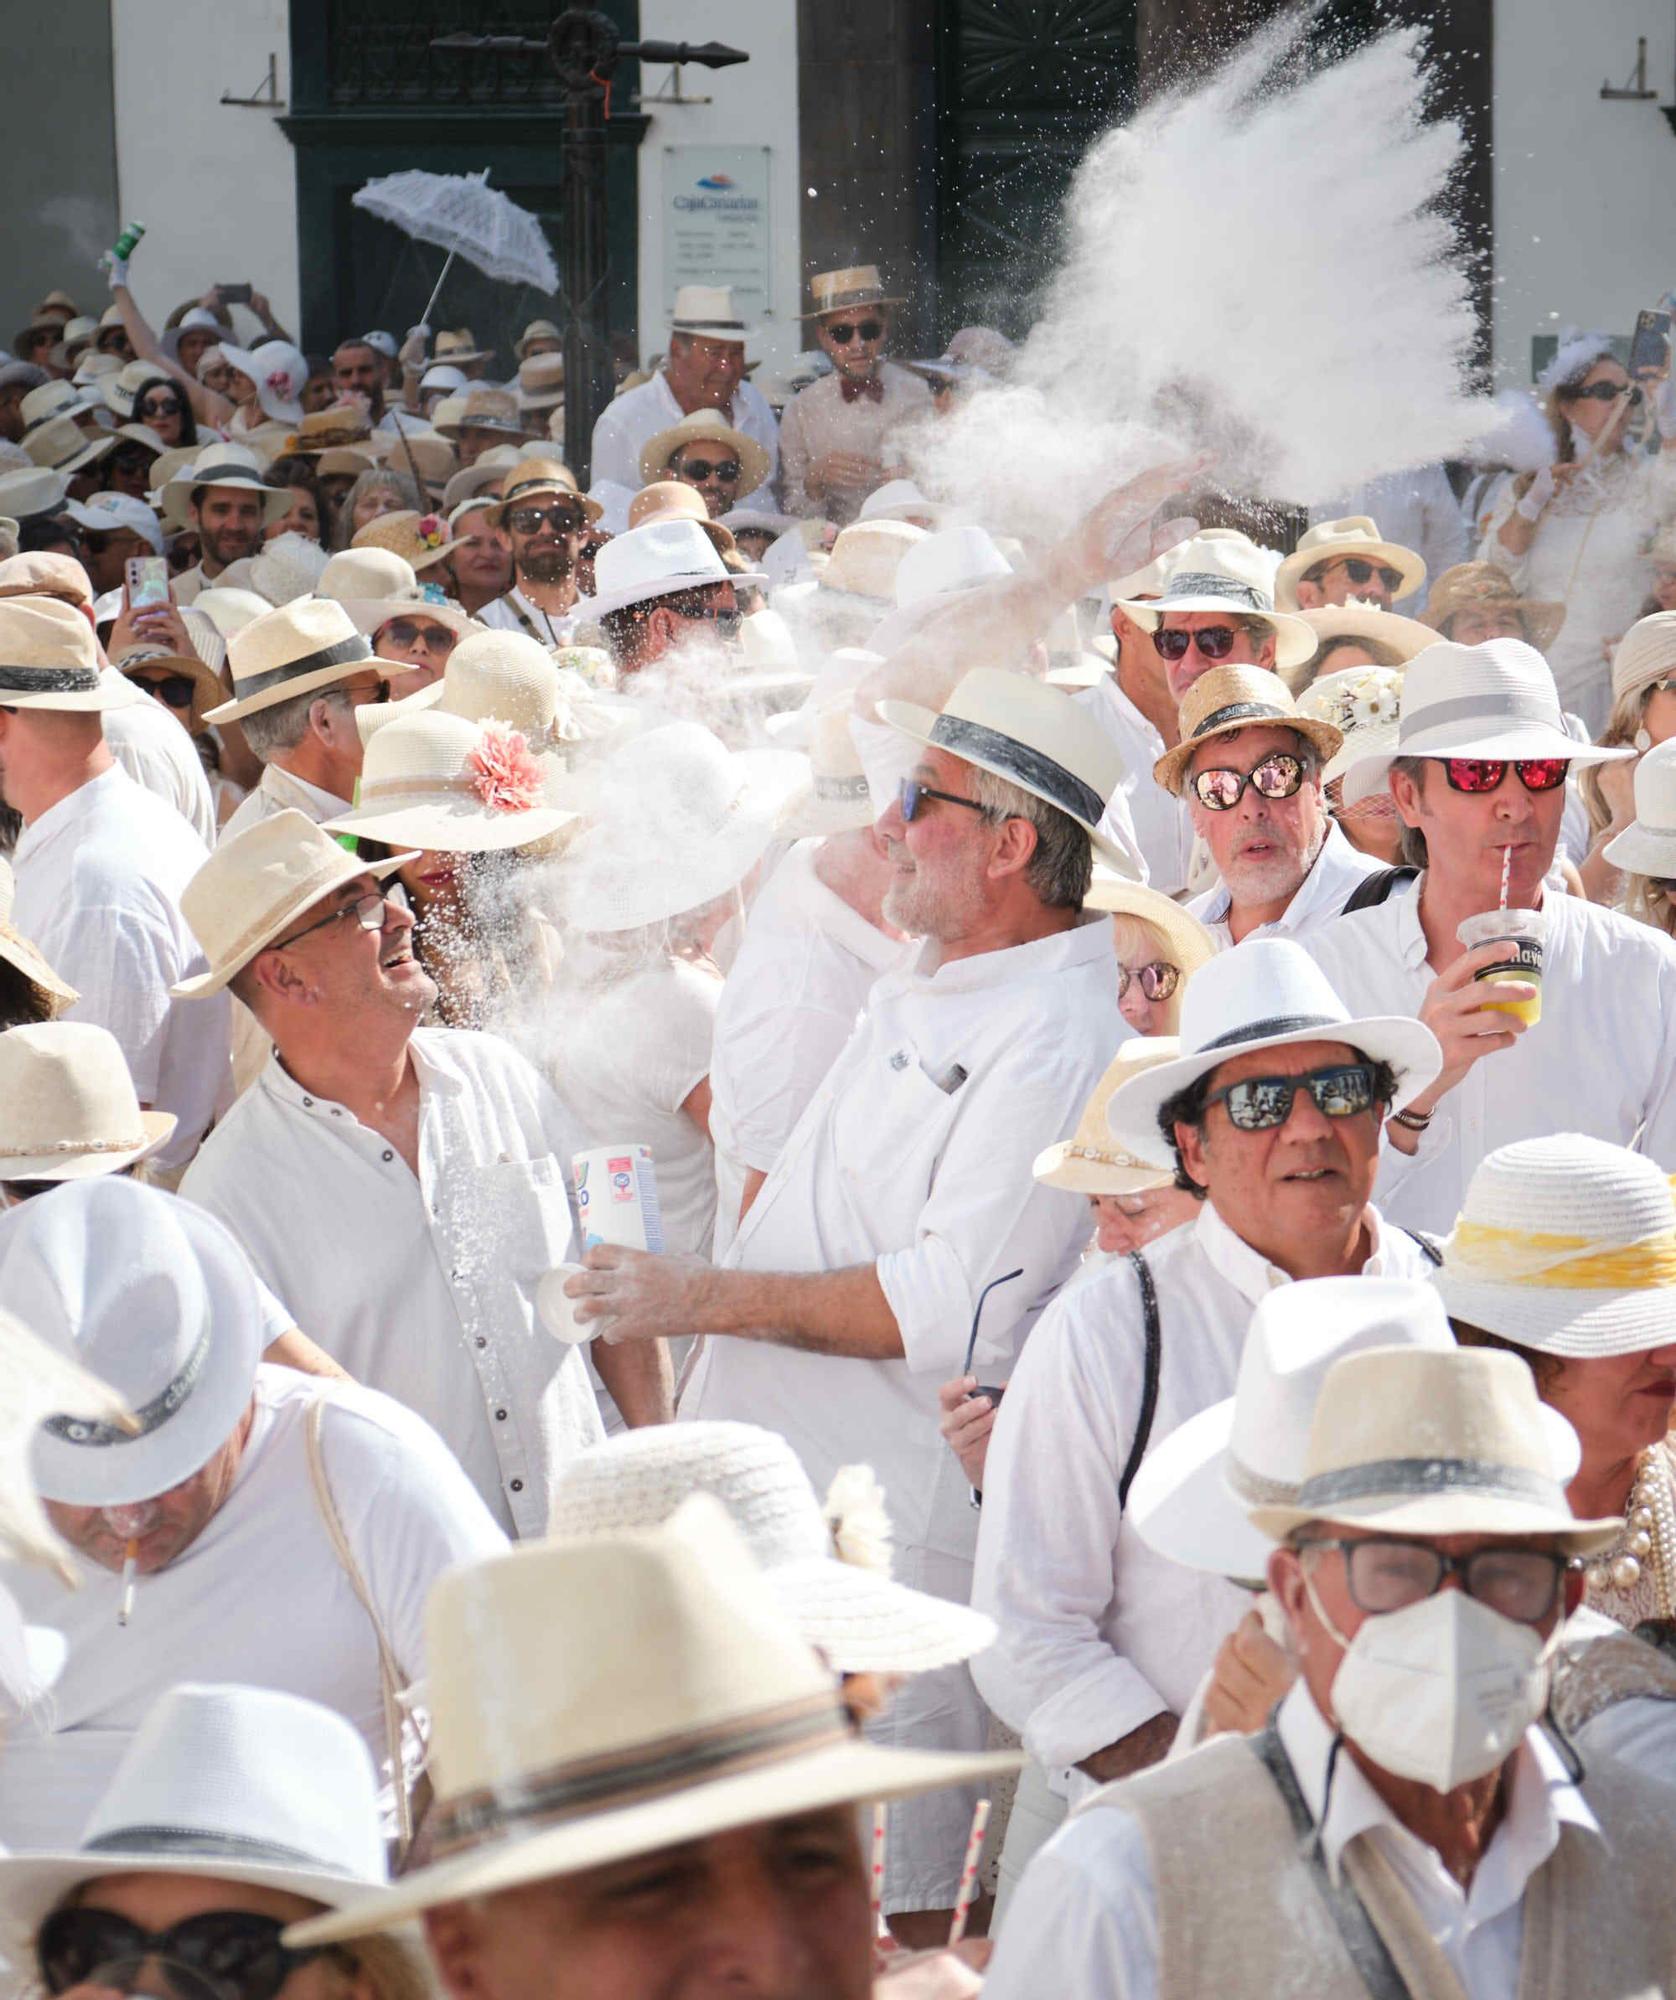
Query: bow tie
x,y
873,387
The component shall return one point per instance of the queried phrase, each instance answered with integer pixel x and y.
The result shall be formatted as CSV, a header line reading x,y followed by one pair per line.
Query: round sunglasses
x,y
228,1954
1259,1103
174,690
1157,981
1215,642
1278,776
1484,774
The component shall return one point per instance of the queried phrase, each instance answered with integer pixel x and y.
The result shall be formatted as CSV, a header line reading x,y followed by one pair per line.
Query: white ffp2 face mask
x,y
1442,1690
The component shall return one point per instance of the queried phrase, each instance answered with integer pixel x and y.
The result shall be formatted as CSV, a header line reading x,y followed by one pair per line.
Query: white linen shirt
x,y
1099,1633
932,1186
1085,1918
280,791
260,1597
501,614
629,422
1601,1061
424,1289
99,880
1160,823
1321,895
150,745
789,1004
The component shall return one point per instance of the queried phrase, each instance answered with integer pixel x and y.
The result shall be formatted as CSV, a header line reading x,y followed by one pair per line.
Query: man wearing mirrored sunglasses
x,y
1478,776
1272,1115
543,516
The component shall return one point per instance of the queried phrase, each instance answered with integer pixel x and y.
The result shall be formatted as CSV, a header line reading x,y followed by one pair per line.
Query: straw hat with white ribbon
x,y
1567,1245
1091,1161
295,649
436,781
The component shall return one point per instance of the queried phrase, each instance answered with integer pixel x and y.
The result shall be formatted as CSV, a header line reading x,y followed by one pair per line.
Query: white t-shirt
x,y
260,1597
156,752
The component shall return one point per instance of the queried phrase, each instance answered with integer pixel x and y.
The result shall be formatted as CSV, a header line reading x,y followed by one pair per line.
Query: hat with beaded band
x,y
1091,1161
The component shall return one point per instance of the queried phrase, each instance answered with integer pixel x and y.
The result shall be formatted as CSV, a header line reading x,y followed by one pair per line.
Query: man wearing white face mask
x,y
1402,1826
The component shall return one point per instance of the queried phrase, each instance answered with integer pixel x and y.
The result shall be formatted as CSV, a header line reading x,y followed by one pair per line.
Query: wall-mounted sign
x,y
715,228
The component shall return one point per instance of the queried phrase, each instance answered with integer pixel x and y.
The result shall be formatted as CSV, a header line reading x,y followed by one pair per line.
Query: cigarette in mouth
x,y
130,1562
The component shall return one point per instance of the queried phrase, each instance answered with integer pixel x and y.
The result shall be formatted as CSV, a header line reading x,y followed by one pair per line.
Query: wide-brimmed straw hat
x,y
241,1784
1645,655
154,1296
481,408
679,820
828,1566
419,539
432,780
67,1105
837,799
1567,1245
1090,1162
660,559
295,649
708,311
46,573
492,676
49,658
541,383
29,490
1032,735
51,399
480,481
1648,845
538,329
1268,994
700,427
22,956
207,689
1225,700
1224,571
1330,541
528,478
675,500
1367,623
1485,586
1364,705
224,464
1189,944
279,371
662,1696
61,445
843,291
1493,700
339,425
1428,1441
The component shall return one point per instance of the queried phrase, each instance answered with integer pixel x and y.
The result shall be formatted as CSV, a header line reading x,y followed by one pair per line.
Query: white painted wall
x,y
213,183
1585,188
755,105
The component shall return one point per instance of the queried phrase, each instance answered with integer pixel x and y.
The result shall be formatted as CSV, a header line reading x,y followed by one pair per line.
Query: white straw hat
x,y
660,1696
281,571
220,463
432,780
152,1295
61,445
1567,1245
1222,570
704,426
1428,1441
1267,994
1645,654
708,311
37,1379
229,609
295,649
678,820
1356,535
1493,700
1363,704
259,883
1648,846
829,1566
657,561
32,490
68,1110
1089,1162
837,800
1188,942
1365,622
49,658
238,1784
279,371
898,500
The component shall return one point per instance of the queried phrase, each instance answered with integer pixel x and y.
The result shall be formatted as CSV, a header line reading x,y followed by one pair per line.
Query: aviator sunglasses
x,y
1157,981
1258,1103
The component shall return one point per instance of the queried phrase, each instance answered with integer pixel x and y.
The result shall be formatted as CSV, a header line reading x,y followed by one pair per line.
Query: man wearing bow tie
x,y
835,444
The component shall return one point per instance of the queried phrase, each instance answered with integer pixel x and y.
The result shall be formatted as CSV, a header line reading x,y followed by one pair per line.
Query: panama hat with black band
x,y
1226,572
533,476
49,659
298,648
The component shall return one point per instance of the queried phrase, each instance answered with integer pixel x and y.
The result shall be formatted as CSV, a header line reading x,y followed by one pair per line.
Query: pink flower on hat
x,y
503,773
279,381
432,531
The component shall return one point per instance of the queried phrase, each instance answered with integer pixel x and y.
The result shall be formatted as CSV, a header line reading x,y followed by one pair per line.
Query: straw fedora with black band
x,y
700,427
848,290
662,1697
1331,541
226,464
61,445
295,649
50,659
530,476
68,1110
707,312
1223,701
481,408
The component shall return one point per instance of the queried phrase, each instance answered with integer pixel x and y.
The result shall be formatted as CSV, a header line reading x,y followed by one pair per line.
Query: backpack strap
x,y
1149,1384
1377,888
1429,1247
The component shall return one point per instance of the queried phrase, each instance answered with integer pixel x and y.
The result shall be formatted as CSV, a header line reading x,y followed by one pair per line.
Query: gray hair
x,y
284,725
379,476
1062,866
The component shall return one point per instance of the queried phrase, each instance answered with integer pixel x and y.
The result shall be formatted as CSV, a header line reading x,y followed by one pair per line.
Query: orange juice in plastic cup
x,y
1526,931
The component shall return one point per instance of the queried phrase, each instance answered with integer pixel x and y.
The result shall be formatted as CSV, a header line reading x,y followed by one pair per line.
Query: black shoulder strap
x,y
1149,1385
1377,888
1369,1953
1428,1244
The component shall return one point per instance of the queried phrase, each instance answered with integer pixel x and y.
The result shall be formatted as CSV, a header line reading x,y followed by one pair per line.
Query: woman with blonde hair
x,y
1158,945
1643,716
1646,849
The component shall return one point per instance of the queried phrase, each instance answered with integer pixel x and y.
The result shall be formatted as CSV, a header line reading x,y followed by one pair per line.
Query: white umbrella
x,y
462,214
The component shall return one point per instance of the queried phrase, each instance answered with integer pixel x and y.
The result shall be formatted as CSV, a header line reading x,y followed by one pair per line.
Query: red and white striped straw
x,y
969,1874
1506,868
877,1867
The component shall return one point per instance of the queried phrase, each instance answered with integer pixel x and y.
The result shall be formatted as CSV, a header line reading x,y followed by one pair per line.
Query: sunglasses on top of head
x,y
1484,774
869,329
1215,642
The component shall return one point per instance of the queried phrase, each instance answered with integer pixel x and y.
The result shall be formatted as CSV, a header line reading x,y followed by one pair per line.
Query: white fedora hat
x,y
657,561
110,513
1266,995
1329,541
1493,700
1430,1441
295,649
837,800
661,1696
678,820
898,500
1223,570
829,1566
931,568
242,1784
49,658
1645,655
279,371
480,481
61,445
29,490
708,311
1089,1162
437,781
220,463
257,884
1188,942
702,426
1363,704
1648,846
41,1378
67,1105
230,609
1034,736
152,1295
1567,1245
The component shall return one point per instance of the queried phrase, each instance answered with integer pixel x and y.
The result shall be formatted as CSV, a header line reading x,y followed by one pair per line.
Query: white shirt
x,y
502,614
1085,1918
629,422
1601,1061
99,880
424,1289
1416,510
1321,895
1099,1633
283,791
791,999
932,1186
1162,825
260,1597
156,752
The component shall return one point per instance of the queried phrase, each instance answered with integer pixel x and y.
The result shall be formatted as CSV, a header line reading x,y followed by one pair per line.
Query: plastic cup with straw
x,y
1526,931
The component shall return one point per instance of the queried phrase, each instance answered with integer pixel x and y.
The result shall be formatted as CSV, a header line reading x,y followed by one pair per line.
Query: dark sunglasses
x,y
1215,642
1484,774
700,469
237,1953
1598,392
869,329
168,407
1277,777
1360,570
726,622
1157,980
1258,1103
528,520
407,632
911,795
176,690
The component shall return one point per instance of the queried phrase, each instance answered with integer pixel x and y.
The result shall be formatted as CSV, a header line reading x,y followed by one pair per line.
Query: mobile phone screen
x,y
1650,349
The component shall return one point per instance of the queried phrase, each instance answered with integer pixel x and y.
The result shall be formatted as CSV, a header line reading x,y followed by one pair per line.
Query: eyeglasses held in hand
x,y
1484,774
1389,1575
911,795
1259,1103
869,329
1157,980
528,520
227,1954
1215,642
977,1315
1277,777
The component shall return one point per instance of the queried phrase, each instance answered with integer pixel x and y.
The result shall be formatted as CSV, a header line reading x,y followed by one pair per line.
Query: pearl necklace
x,y
1649,1536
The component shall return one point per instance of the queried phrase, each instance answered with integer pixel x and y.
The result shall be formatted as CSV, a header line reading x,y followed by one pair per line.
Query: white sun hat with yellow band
x,y
1566,1245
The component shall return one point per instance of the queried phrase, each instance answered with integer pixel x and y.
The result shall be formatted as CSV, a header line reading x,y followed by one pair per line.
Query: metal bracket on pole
x,y
1634,90
267,96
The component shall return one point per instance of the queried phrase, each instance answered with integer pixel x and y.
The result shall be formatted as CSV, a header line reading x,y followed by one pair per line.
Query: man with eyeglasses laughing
x,y
1478,775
